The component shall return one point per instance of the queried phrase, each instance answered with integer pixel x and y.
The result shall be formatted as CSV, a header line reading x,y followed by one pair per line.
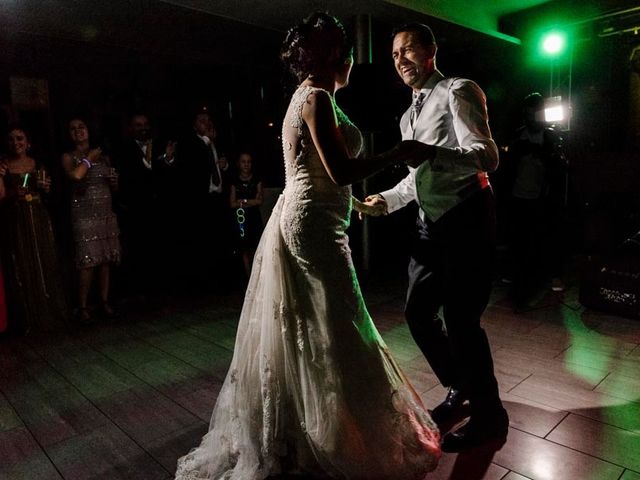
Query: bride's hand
x,y
373,205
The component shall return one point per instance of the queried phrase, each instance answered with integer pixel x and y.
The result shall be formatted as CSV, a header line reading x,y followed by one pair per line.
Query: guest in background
x,y
202,162
246,198
144,174
204,224
34,293
538,172
94,225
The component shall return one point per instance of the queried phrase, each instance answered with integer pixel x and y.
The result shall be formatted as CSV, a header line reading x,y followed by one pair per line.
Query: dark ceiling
x,y
248,31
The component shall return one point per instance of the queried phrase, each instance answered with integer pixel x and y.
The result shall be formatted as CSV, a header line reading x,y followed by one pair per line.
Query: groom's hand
x,y
373,205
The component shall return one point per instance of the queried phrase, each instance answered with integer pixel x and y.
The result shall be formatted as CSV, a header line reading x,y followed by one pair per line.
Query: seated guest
x,y
34,293
94,225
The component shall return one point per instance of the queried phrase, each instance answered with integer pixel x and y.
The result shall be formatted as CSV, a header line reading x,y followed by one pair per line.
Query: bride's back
x,y
303,166
316,211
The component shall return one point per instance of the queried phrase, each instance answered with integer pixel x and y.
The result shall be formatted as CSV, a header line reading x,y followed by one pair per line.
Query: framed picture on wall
x,y
29,93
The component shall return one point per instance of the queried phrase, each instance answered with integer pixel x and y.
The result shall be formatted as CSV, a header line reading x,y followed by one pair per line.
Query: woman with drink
x,y
33,287
94,225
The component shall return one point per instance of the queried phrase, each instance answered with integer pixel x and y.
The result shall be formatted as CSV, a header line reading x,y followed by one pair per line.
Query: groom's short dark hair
x,y
420,30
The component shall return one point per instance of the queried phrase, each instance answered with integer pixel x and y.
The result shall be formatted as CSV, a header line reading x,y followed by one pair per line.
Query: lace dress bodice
x,y
313,204
306,176
306,164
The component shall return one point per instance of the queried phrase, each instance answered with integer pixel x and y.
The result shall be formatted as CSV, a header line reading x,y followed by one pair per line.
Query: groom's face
x,y
413,61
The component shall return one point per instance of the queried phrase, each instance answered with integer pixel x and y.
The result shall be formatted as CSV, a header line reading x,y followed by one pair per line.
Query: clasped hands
x,y
373,205
411,152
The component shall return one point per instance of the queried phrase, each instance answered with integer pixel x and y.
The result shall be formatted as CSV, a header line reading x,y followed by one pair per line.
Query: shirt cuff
x,y
393,200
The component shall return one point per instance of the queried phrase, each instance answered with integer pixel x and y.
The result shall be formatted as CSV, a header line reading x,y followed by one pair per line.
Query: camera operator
x,y
538,166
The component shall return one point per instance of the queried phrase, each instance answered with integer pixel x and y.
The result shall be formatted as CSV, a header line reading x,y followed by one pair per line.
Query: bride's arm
x,y
319,114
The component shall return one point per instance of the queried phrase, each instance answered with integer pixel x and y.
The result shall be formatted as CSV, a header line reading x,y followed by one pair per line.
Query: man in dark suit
x,y
204,202
143,199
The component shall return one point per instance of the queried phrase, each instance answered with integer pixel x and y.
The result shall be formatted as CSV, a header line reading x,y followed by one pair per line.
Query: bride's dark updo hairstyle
x,y
316,43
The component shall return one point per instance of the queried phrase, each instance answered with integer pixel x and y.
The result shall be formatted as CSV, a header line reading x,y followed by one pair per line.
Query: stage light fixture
x,y
554,43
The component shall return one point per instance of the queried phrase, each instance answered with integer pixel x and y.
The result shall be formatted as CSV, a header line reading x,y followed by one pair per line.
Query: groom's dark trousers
x,y
451,267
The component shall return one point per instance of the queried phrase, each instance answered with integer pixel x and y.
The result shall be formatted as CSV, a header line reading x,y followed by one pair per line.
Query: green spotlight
x,y
554,43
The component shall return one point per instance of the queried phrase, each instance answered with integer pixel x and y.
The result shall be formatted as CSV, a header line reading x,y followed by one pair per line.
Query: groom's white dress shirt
x,y
454,119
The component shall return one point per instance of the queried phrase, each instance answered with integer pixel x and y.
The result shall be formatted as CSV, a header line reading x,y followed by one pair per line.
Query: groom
x,y
453,246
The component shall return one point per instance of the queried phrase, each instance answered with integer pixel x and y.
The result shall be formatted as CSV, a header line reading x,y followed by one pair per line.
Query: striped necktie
x,y
416,106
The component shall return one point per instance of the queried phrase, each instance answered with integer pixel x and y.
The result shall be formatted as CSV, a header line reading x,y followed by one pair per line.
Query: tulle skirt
x,y
312,388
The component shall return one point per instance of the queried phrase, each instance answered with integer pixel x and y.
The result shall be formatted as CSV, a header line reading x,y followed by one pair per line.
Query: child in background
x,y
246,198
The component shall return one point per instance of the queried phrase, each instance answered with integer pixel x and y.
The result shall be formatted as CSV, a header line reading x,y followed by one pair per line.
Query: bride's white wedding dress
x,y
312,387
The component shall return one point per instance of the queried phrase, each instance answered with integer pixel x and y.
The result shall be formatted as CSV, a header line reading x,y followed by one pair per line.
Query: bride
x,y
312,388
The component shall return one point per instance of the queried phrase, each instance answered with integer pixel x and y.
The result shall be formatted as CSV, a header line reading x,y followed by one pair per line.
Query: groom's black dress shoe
x,y
489,431
450,411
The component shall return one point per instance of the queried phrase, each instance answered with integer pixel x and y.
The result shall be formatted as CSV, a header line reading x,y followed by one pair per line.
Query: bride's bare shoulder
x,y
317,103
